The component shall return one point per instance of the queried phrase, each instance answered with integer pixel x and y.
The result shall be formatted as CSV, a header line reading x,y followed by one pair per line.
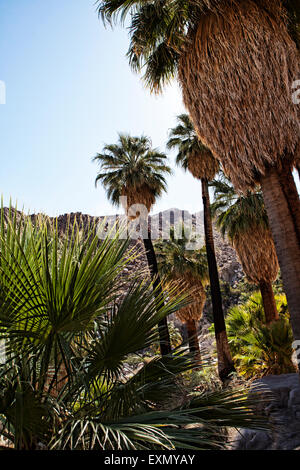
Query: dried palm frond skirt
x,y
141,196
236,73
203,165
198,297
257,254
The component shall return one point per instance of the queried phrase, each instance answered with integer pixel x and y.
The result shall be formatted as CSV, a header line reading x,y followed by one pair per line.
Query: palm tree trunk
x,y
225,362
284,230
164,335
292,197
193,339
269,303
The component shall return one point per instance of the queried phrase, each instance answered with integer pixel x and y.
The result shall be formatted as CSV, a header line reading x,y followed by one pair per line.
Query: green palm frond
x,y
260,349
158,31
132,163
53,290
69,333
184,139
237,213
200,425
176,260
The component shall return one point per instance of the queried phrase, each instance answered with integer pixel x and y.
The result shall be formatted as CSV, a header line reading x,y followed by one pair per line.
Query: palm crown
x,y
134,169
237,213
159,29
192,155
244,219
177,261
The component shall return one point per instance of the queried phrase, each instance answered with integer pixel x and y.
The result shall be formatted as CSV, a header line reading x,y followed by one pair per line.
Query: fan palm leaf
x,y
88,331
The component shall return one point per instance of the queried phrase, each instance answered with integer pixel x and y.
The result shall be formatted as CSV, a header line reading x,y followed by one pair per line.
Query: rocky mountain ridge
x,y
229,266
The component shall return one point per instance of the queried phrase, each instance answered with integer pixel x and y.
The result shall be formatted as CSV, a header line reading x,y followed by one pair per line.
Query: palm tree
x,y
244,219
132,168
235,62
60,304
194,156
188,268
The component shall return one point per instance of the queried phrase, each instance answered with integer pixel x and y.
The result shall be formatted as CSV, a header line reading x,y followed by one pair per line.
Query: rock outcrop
x,y
230,269
282,411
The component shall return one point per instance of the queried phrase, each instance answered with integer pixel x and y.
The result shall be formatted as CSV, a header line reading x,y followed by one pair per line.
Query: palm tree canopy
x,y
236,213
158,30
134,169
224,81
177,261
192,154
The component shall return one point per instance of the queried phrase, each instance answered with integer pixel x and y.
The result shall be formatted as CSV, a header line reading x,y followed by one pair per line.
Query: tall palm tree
x,y
188,268
132,168
235,62
194,156
244,219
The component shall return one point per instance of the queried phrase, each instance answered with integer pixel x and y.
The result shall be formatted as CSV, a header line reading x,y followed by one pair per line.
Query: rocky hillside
x,y
230,269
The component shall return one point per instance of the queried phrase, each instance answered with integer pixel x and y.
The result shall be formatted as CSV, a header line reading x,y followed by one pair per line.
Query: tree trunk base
x,y
164,335
284,229
269,303
225,362
193,340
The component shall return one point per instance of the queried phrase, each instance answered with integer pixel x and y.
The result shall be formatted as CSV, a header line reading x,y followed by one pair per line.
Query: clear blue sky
x,y
69,91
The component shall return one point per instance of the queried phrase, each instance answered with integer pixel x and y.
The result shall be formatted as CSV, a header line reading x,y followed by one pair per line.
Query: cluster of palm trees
x,y
132,167
235,62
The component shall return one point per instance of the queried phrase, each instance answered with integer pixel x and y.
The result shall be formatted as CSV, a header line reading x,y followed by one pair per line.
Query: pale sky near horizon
x,y
69,90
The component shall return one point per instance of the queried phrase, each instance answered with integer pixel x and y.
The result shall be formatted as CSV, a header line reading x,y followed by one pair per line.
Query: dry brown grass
x,y
236,75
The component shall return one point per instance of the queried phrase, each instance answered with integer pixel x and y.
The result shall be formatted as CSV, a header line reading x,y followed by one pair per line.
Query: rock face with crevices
x,y
282,411
230,269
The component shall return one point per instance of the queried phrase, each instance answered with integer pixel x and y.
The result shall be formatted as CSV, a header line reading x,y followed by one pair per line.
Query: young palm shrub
x,y
258,349
189,269
132,168
194,156
244,219
60,306
238,93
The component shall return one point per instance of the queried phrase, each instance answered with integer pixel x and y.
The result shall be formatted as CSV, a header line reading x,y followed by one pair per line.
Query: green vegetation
x,y
68,336
82,369
259,349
